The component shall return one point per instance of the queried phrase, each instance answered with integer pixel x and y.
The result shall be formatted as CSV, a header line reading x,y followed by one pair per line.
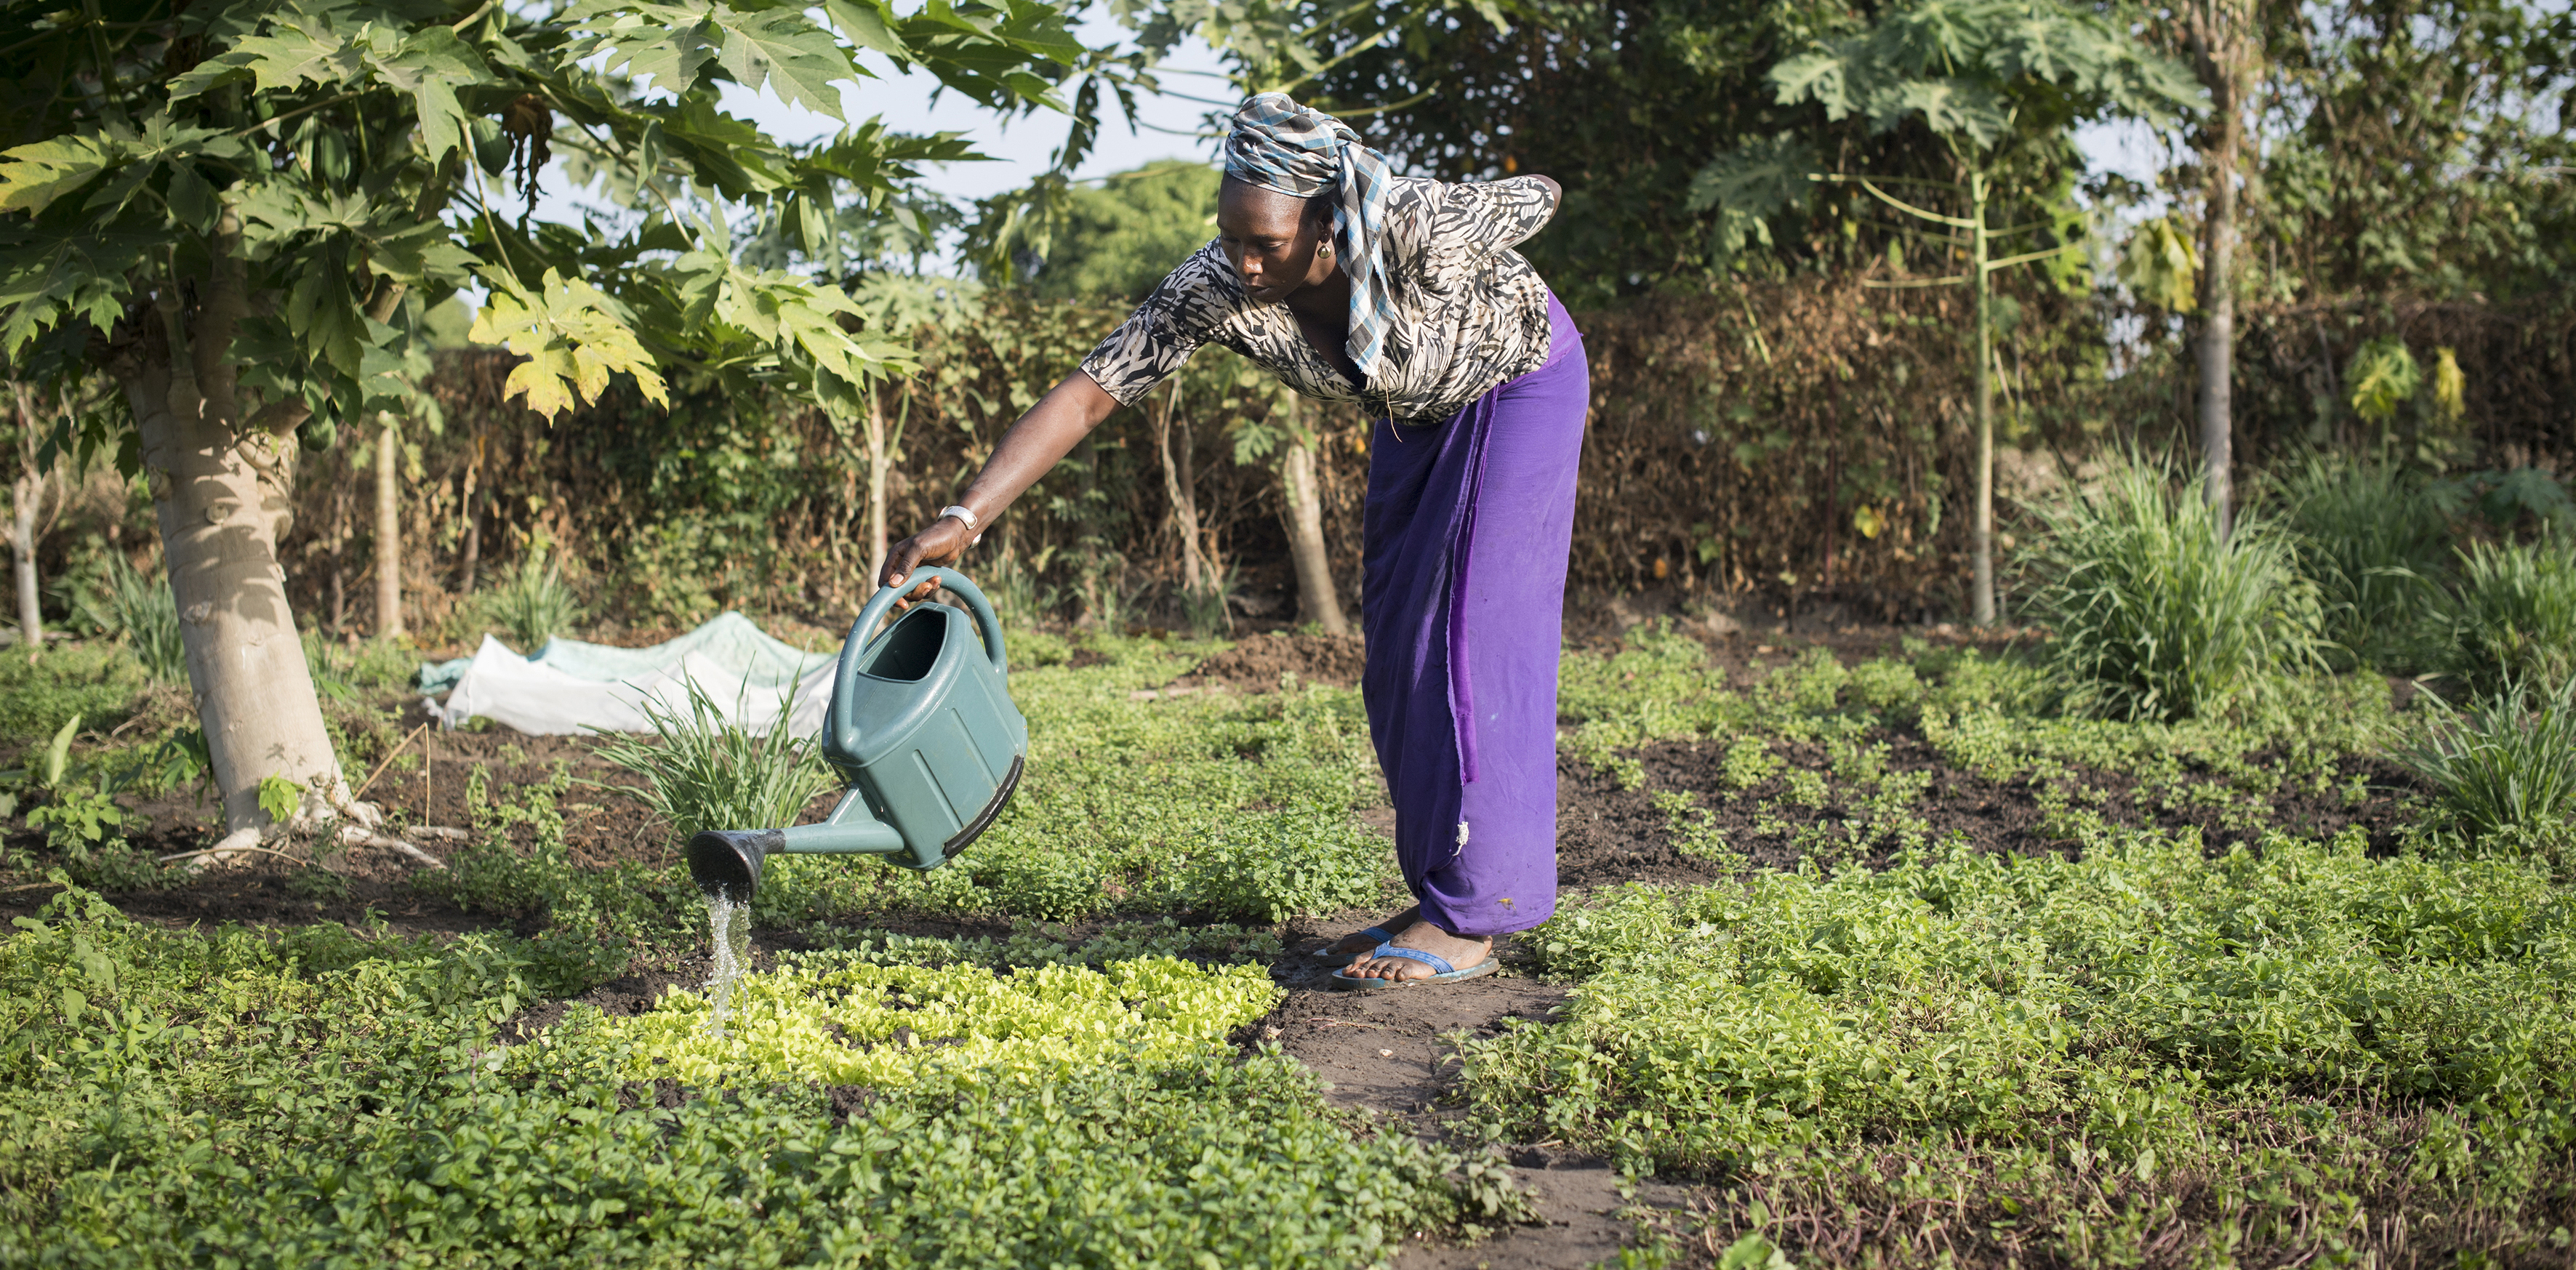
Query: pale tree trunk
x,y
2218,35
1176,488
1316,601
389,603
878,445
473,550
26,499
1982,542
220,485
26,493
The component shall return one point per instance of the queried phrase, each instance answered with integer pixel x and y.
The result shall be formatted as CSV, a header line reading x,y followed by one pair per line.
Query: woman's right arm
x,y
1049,431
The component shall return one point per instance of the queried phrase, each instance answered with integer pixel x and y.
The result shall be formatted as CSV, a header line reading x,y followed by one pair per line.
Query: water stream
x,y
731,924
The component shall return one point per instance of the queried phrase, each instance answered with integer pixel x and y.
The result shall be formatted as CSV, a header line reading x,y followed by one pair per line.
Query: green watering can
x,y
922,731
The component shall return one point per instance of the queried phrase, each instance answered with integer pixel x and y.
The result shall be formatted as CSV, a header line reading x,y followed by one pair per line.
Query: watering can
x,y
921,730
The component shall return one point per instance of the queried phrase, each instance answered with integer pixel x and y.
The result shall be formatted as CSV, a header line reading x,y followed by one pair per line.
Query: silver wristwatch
x,y
964,517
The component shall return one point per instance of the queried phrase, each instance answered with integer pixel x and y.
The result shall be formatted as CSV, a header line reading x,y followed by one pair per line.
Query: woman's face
x,y
1270,240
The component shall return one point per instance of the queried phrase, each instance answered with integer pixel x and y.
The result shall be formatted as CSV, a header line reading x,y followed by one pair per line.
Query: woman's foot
x,y
1460,951
1361,943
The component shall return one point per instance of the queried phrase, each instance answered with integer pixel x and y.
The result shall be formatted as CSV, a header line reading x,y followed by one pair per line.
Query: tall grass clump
x,y
2514,620
2506,764
110,595
2155,613
702,770
2374,540
533,603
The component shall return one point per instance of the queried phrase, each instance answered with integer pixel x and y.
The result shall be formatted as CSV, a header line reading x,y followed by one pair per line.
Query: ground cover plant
x,y
1889,959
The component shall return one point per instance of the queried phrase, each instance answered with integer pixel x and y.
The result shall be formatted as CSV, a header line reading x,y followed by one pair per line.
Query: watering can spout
x,y
922,731
726,862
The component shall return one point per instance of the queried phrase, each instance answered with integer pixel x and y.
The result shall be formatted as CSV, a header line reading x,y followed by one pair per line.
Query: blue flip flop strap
x,y
1416,954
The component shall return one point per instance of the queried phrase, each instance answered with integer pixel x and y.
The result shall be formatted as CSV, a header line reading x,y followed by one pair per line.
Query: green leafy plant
x,y
1266,868
2374,538
2505,763
2384,375
94,681
702,770
2153,611
2514,618
532,603
280,797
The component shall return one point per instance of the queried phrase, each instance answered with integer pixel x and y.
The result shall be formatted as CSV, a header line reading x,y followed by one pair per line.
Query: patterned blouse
x,y
1471,313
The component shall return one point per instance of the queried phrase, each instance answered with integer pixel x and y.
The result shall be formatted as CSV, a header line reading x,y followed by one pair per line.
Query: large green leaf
x,y
573,342
38,174
784,51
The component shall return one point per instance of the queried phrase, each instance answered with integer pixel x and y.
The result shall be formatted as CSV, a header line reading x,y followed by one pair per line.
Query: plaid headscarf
x,y
1279,145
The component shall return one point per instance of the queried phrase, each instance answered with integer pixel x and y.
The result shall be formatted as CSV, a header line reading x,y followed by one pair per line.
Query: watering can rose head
x,y
921,731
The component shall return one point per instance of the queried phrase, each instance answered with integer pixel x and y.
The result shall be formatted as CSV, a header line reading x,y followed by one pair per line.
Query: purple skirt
x,y
1466,534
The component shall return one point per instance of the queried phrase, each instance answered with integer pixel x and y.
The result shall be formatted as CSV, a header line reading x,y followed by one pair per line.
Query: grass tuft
x,y
2506,765
2155,614
533,603
2374,540
702,770
2515,620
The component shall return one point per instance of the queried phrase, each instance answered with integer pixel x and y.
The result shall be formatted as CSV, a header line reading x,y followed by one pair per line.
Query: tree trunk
x,y
877,444
1982,546
28,491
2217,46
26,497
219,484
1316,601
473,518
1176,487
389,602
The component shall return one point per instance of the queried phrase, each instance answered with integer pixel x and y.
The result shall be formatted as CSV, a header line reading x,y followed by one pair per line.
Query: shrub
x,y
2373,539
704,771
2506,765
533,603
2515,617
2155,613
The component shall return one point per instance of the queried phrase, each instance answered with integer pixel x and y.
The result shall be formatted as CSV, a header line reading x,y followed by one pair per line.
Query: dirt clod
x,y
1258,663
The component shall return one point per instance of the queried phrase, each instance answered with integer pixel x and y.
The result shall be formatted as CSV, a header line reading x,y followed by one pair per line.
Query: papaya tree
x,y
1984,81
239,211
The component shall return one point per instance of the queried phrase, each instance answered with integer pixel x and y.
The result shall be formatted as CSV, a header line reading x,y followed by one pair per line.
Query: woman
x,y
1401,294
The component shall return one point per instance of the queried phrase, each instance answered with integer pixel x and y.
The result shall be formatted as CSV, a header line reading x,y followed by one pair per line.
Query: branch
x,y
2028,256
1915,282
1424,95
1899,204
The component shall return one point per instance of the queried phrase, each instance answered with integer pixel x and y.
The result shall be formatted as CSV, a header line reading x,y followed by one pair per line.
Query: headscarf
x,y
1279,145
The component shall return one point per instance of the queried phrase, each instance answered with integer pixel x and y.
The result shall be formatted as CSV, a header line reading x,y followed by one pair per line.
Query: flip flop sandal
x,y
1326,954
1441,971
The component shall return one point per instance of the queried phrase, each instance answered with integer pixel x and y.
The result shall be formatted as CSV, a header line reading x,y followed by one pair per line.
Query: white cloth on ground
x,y
571,686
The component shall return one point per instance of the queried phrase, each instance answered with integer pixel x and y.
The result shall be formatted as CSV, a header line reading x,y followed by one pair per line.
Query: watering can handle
x,y
987,624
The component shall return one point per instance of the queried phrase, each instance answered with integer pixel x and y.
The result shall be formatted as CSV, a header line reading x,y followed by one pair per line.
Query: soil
x,y
1261,662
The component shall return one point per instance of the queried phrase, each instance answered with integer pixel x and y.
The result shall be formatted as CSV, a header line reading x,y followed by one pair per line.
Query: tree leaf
x,y
784,50
572,341
1823,76
868,24
38,174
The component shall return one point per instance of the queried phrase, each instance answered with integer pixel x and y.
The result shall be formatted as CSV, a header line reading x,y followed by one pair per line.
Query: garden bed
x,y
1710,791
